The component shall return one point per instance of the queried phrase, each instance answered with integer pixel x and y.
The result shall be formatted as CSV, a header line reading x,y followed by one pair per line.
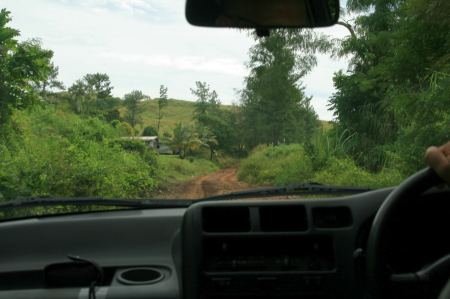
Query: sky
x,y
142,44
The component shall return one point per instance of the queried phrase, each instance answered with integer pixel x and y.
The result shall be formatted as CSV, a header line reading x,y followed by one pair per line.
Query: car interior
x,y
384,243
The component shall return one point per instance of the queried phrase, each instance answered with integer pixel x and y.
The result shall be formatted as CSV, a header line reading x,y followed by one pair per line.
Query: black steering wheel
x,y
398,199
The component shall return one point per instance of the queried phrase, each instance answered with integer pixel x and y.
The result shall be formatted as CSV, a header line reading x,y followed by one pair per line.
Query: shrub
x,y
344,172
289,164
327,144
58,154
276,165
149,131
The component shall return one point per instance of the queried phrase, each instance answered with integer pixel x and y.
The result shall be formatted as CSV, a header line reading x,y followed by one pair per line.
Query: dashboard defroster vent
x,y
332,217
291,218
226,219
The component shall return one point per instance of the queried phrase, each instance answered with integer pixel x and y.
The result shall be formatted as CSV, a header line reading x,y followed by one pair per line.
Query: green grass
x,y
176,111
290,164
276,165
173,169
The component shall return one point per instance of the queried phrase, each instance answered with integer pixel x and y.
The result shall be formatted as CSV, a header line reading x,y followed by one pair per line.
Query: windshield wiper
x,y
300,189
140,204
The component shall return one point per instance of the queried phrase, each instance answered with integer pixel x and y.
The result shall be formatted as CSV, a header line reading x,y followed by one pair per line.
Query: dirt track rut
x,y
219,182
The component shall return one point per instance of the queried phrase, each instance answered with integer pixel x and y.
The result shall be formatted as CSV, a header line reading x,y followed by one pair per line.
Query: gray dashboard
x,y
168,240
120,240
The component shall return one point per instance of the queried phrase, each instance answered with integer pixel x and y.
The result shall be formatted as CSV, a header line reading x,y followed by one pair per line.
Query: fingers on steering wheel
x,y
439,160
445,149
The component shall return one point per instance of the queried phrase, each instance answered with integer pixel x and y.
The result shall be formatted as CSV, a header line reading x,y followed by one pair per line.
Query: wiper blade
x,y
300,189
141,204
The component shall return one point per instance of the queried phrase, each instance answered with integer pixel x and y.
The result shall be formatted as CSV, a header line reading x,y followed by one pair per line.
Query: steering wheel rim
x,y
396,200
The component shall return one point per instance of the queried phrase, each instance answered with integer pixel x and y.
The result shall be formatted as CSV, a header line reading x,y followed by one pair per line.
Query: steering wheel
x,y
398,200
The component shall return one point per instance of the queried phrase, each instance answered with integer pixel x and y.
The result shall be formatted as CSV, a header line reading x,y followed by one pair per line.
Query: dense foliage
x,y
53,153
292,164
395,97
275,109
23,65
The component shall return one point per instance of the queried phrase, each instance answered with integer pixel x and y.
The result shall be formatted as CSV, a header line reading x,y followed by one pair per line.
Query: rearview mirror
x,y
262,14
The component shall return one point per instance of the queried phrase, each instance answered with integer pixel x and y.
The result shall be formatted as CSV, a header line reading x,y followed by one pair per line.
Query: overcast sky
x,y
142,44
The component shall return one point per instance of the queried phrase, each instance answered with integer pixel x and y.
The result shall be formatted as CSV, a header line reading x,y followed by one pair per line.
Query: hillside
x,y
177,111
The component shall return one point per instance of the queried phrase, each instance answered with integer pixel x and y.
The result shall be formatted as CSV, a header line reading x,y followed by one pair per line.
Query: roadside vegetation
x,y
292,164
389,105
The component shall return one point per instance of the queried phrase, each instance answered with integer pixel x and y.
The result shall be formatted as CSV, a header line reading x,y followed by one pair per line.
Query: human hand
x,y
438,158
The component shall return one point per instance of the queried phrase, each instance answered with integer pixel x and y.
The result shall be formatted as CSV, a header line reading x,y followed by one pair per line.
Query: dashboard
x,y
257,248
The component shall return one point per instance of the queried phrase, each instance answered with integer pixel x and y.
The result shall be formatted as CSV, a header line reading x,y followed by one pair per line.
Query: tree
x,y
183,140
99,85
219,122
397,80
22,66
78,97
274,107
132,102
51,82
208,139
207,100
92,95
149,131
162,102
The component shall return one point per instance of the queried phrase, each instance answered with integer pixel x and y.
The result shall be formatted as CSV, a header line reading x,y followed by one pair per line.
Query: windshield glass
x,y
125,100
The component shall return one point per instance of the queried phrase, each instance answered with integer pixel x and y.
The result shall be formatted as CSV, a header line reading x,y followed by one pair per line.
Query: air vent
x,y
332,217
283,218
226,219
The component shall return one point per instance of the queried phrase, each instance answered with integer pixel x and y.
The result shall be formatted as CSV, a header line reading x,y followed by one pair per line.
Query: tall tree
x,y
78,97
132,102
92,95
162,102
50,83
207,100
274,107
219,122
22,65
100,86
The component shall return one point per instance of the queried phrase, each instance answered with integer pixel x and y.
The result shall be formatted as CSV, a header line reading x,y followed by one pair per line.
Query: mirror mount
x,y
262,32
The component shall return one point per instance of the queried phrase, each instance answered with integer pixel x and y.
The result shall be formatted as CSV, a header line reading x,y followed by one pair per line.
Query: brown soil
x,y
219,182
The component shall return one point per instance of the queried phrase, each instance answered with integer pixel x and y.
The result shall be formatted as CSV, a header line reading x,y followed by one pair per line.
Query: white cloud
x,y
226,66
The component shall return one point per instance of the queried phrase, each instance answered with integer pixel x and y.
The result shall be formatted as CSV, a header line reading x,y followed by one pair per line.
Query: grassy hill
x,y
177,111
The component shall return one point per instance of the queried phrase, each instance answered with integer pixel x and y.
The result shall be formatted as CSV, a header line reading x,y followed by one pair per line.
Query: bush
x,y
149,131
276,165
289,164
344,172
58,154
327,144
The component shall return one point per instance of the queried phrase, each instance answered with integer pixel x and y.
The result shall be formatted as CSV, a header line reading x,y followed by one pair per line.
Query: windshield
x,y
124,100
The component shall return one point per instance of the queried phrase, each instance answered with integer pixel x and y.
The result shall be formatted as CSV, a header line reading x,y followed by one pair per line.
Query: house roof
x,y
141,138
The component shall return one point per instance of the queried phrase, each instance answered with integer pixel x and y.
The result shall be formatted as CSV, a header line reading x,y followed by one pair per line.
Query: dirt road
x,y
219,182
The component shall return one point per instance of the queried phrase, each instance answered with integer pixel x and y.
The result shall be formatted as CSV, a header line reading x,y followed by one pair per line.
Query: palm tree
x,y
183,140
208,139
